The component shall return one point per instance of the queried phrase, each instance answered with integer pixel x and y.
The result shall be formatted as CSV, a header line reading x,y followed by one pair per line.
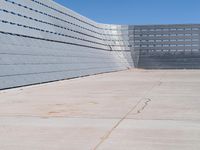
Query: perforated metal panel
x,y
168,46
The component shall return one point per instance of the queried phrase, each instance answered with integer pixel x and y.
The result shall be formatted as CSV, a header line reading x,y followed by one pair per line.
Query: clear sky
x,y
137,11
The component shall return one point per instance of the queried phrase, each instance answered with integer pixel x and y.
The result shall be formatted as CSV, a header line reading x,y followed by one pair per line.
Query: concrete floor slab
x,y
33,133
96,96
154,135
133,109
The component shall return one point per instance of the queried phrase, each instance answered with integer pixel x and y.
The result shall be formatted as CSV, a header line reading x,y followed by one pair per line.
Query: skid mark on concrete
x,y
140,107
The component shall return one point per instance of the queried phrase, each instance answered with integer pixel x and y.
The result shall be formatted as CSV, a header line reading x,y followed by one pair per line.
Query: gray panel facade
x,y
168,46
42,41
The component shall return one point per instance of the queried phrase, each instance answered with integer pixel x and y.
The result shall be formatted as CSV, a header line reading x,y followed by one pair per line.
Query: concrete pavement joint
x,y
118,123
127,114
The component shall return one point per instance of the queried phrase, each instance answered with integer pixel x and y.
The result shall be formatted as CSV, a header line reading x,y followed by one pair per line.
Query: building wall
x,y
168,46
42,41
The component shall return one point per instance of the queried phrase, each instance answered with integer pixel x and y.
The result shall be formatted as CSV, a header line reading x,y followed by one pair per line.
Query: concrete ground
x,y
127,110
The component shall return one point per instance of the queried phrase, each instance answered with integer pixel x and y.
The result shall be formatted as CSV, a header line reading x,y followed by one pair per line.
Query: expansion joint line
x,y
116,125
147,100
129,112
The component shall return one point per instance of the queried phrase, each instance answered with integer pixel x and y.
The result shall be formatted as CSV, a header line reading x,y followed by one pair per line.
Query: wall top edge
x,y
124,25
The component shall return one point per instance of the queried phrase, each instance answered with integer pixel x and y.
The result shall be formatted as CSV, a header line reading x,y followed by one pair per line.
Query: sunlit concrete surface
x,y
127,110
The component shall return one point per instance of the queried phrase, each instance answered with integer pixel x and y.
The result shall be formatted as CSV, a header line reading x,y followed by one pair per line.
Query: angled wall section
x,y
42,41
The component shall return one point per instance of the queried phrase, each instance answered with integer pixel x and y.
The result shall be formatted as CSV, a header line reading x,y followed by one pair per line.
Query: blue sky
x,y
137,11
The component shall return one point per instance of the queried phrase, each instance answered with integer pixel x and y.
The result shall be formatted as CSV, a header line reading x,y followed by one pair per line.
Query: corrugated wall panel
x,y
43,42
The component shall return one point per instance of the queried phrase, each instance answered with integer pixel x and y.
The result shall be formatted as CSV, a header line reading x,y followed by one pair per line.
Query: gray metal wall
x,y
42,41
167,46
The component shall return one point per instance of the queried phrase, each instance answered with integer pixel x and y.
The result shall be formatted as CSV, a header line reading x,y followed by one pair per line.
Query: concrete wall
x,y
42,41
